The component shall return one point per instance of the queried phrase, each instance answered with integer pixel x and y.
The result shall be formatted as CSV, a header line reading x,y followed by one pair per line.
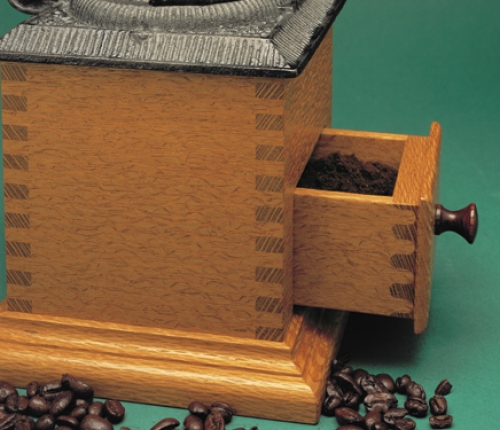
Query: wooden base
x,y
274,380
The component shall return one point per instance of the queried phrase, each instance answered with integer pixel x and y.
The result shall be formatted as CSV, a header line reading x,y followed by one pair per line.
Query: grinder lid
x,y
273,38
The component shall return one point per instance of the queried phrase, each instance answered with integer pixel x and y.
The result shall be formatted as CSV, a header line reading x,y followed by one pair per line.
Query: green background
x,y
398,65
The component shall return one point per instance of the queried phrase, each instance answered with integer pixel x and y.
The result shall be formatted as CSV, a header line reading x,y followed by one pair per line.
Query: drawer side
x,y
348,253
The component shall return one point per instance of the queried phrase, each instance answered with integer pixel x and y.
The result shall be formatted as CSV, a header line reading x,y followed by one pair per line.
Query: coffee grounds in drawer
x,y
337,172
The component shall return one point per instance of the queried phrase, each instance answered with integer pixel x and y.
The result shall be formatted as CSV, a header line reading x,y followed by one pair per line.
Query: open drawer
x,y
367,253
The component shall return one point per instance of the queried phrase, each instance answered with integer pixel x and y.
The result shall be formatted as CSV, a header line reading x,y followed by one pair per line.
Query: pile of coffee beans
x,y
202,417
347,389
66,404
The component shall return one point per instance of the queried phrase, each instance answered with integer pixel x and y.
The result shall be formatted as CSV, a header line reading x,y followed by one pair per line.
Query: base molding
x,y
273,380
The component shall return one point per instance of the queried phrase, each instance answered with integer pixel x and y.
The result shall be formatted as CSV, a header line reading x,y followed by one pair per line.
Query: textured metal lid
x,y
272,38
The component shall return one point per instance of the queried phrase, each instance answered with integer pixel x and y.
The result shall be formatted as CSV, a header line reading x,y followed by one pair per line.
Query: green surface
x,y
398,65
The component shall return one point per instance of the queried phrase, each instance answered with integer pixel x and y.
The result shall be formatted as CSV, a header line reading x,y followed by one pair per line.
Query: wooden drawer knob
x,y
464,221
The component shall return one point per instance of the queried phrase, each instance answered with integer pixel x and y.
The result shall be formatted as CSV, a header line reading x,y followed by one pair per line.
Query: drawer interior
x,y
382,147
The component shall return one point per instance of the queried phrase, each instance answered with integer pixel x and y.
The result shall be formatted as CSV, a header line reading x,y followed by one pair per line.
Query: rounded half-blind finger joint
x,y
32,7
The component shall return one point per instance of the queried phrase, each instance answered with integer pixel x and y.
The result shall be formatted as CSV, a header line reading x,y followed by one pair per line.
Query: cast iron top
x,y
274,38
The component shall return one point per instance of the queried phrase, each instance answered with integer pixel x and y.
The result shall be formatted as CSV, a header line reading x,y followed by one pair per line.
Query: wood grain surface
x,y
343,249
383,147
171,367
120,184
307,113
426,240
156,199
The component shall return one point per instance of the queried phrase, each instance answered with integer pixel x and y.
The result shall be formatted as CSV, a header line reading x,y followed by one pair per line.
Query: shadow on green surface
x,y
377,340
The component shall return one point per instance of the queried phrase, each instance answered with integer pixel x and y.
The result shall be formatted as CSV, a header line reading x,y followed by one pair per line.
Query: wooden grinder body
x,y
155,236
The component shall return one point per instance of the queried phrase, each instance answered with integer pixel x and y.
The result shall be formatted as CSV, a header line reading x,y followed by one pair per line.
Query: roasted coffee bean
x,y
370,385
81,390
330,404
416,407
214,421
351,400
380,426
29,421
68,421
371,418
349,427
192,422
348,370
166,424
402,383
62,403
45,422
32,389
358,374
114,411
443,388
340,362
226,411
387,381
51,390
438,405
332,388
28,424
6,390
223,405
198,409
349,416
405,424
8,422
38,406
83,402
225,415
23,404
415,390
11,404
381,402
64,428
96,408
24,423
394,414
441,421
95,422
124,428
347,382
78,412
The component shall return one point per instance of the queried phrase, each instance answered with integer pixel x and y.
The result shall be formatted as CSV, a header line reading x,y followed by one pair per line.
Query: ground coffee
x,y
337,172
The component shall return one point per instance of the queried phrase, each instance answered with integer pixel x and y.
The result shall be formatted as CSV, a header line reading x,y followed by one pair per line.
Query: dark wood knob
x,y
464,221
